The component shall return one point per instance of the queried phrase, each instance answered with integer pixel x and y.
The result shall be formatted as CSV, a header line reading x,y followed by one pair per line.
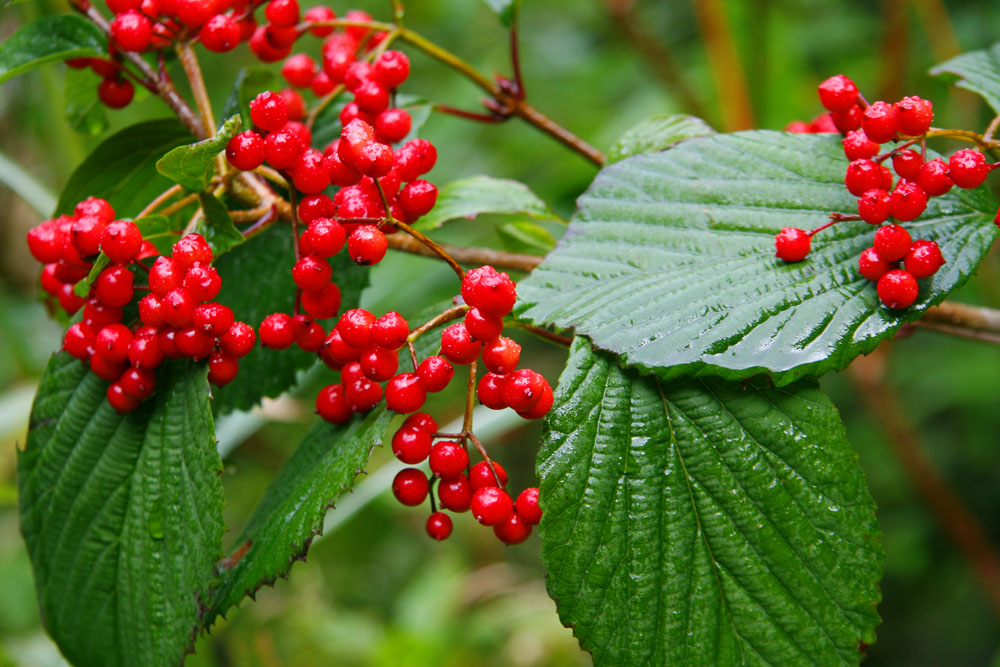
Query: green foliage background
x,y
375,590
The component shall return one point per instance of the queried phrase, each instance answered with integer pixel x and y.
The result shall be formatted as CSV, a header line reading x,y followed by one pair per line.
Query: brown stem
x,y
162,197
179,204
955,519
548,126
470,115
730,83
189,61
467,254
542,333
515,60
470,403
435,249
413,354
963,320
486,457
452,313
164,87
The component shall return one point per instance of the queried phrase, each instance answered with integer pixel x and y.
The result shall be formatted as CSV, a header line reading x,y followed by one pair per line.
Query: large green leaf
x,y
217,226
122,169
84,111
49,39
978,71
122,514
291,513
250,82
657,133
257,281
704,522
190,166
669,260
477,195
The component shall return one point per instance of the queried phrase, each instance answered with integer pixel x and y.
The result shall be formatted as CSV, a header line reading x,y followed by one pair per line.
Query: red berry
x,y
45,242
213,319
164,276
355,136
455,493
907,164
390,331
371,97
131,31
85,235
325,236
282,13
880,122
95,207
320,15
194,13
490,391
892,242
838,93
414,159
357,73
480,475
422,420
908,201
404,394
114,286
177,308
322,304
862,176
457,345
239,340
410,486
527,507
482,327
78,340
411,444
363,394
50,282
799,127
309,334
222,368
512,530
340,173
935,177
846,121
448,458
193,343
355,327
857,146
874,206
366,245
491,505
68,300
268,111
283,148
167,339
333,406
138,383
321,84
312,273
115,92
121,241
191,250
379,364
358,16
542,407
871,265
220,34
202,283
375,159
245,151
491,292
923,259
144,352
392,125
417,199
309,173
97,316
792,245
502,355
277,331
112,343
119,400
335,352
898,289
106,370
435,372
968,168
914,115
523,389
439,526
392,68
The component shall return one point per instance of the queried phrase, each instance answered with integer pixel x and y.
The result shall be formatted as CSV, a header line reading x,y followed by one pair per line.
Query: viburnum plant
x,y
698,499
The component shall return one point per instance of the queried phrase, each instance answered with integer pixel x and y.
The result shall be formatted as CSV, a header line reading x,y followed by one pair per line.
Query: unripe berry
x,y
792,245
898,289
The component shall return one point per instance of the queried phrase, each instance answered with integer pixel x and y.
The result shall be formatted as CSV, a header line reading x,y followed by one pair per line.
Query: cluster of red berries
x,y
866,127
176,317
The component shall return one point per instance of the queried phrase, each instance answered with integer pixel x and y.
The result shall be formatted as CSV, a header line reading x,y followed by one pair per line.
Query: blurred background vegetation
x,y
375,590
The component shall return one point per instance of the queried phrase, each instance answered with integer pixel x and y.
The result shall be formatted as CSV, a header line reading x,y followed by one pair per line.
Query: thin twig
x,y
486,457
542,333
433,246
470,401
468,255
470,115
189,61
452,313
162,197
178,205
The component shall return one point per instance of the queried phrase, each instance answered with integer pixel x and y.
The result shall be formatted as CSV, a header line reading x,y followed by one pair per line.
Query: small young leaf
x,y
474,196
704,521
506,10
656,133
526,237
669,261
84,111
122,514
50,39
189,165
250,82
217,227
978,71
122,169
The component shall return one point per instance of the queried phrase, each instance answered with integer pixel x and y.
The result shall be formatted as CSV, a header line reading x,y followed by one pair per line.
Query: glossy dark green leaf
x,y
291,513
257,281
978,71
50,39
656,133
506,10
250,82
190,166
705,521
669,260
525,237
84,111
122,514
122,169
477,195
217,226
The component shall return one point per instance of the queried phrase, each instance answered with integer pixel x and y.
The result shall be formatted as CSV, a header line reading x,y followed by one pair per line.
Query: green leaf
x,y
526,237
657,133
122,514
477,195
122,169
49,39
250,82
978,71
669,260
190,166
155,228
217,227
291,513
704,521
84,111
257,281
506,10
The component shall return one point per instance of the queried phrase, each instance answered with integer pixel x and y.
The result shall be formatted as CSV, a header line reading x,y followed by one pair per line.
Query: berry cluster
x,y
866,127
176,317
